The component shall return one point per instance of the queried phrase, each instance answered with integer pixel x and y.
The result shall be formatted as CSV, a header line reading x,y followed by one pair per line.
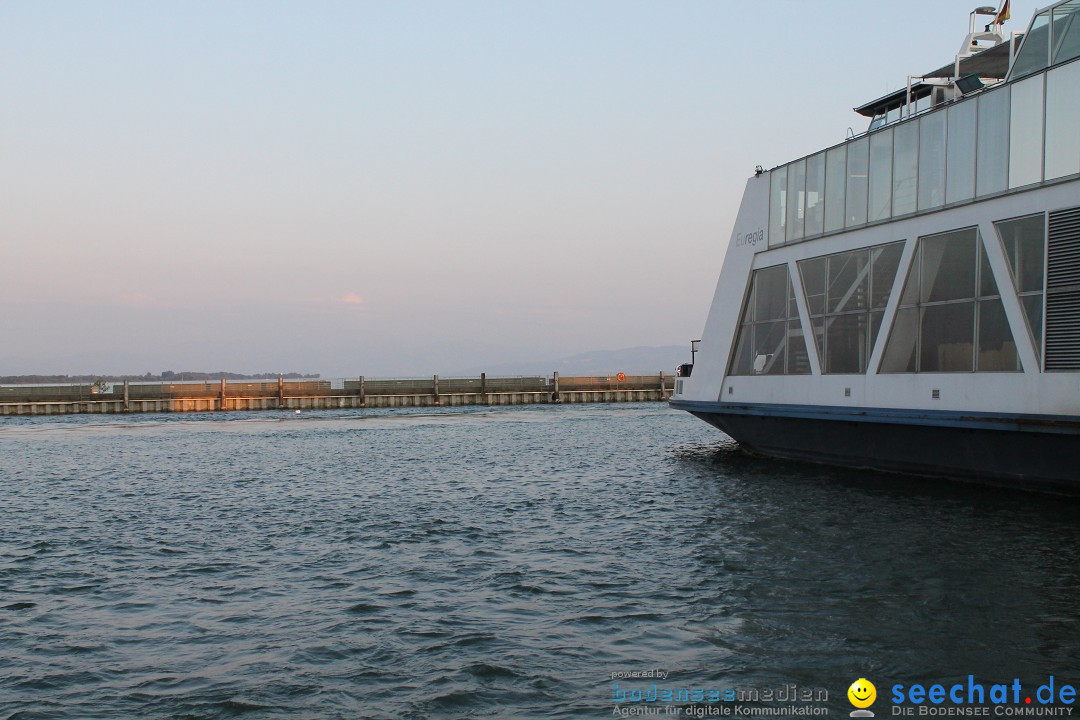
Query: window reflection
x,y
881,153
845,294
796,200
1062,111
835,185
1035,50
857,161
906,168
770,340
960,177
950,318
932,161
777,206
1026,133
1066,32
992,167
815,195
1024,243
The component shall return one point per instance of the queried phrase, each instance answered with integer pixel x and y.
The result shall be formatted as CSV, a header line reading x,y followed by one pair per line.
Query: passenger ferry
x,y
909,300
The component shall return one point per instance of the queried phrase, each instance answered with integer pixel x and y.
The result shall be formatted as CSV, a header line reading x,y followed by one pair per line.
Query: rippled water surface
x,y
493,563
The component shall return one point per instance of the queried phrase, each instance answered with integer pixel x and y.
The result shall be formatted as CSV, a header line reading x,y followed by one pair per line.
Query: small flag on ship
x,y
1003,13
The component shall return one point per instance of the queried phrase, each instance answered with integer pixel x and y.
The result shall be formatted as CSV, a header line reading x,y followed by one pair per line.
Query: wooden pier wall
x,y
330,395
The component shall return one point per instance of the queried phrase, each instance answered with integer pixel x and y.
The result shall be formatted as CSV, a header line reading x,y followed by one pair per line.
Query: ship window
x,y
992,169
815,195
947,337
932,161
899,354
881,151
845,296
950,317
905,168
997,351
1062,110
770,340
1066,32
1035,50
1026,132
777,206
835,184
770,294
948,266
796,200
883,263
845,343
815,279
742,362
857,160
1024,242
960,178
769,348
849,281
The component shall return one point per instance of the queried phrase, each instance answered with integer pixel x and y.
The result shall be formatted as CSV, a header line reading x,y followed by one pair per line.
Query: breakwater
x,y
134,397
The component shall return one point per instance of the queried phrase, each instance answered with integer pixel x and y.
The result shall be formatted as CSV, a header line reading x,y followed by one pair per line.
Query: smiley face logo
x,y
862,693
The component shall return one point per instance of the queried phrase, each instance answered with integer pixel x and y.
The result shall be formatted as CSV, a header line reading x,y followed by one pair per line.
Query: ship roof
x,y
990,63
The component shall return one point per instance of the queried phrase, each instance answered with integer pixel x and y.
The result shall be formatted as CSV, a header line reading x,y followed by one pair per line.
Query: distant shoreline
x,y
166,376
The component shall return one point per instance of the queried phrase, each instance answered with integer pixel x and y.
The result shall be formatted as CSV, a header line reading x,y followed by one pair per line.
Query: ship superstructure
x,y
910,298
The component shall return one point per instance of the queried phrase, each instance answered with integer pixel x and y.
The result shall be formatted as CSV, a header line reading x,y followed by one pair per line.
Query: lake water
x,y
477,562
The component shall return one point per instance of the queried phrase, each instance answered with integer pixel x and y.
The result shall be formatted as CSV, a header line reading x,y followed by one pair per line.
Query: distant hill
x,y
632,361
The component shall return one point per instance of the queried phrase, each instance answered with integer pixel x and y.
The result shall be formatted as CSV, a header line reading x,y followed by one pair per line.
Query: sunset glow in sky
x,y
394,188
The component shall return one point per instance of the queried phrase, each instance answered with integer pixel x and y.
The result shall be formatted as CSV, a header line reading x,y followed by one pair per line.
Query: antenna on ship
x,y
994,26
979,40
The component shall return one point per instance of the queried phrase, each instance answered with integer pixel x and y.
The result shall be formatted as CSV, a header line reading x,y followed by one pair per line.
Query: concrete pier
x,y
330,394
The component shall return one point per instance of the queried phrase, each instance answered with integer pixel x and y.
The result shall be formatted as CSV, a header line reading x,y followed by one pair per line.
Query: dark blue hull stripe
x,y
1014,422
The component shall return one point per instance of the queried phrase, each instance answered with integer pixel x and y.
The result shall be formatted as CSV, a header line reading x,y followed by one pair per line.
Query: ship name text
x,y
750,238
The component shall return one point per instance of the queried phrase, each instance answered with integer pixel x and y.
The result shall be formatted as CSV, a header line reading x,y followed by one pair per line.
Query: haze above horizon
x,y
403,188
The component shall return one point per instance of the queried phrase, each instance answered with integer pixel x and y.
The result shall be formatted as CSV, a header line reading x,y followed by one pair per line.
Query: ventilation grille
x,y
1063,291
1063,269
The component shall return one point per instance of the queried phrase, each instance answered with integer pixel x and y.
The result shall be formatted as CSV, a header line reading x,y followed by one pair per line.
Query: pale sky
x,y
395,188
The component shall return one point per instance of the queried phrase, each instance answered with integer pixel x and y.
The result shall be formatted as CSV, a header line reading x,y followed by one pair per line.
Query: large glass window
x,y
777,206
992,168
1024,242
857,161
906,168
1035,51
846,294
770,340
1066,32
960,175
950,317
815,195
1062,112
932,161
835,186
1026,132
796,200
881,152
